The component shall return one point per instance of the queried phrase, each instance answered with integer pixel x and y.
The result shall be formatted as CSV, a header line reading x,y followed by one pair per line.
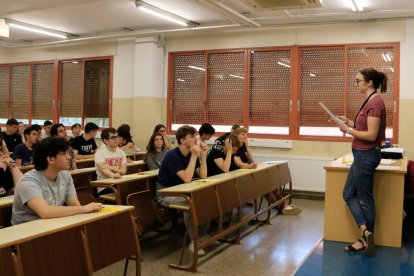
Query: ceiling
x,y
111,19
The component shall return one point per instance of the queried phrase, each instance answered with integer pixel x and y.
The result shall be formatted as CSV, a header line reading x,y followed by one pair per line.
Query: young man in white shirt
x,y
110,161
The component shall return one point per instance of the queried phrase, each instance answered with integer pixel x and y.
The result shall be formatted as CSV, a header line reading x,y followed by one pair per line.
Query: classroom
x,y
261,64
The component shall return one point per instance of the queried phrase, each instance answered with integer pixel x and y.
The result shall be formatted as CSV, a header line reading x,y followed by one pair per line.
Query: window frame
x,y
56,86
295,86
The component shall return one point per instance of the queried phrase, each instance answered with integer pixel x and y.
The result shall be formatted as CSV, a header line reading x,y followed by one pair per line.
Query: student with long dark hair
x,y
162,129
155,151
368,132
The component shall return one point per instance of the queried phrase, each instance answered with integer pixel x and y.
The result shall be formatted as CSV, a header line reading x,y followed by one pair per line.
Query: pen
x,y
204,181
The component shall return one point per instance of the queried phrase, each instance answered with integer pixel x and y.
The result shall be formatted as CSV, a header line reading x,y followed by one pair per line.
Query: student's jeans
x,y
358,190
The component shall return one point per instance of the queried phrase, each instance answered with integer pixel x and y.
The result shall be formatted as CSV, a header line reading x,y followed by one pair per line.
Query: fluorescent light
x,y
235,76
392,69
384,57
388,57
35,29
197,68
356,5
283,64
163,16
312,75
181,80
153,10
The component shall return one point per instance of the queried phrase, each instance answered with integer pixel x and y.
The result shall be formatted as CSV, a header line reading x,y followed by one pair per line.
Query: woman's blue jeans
x,y
358,190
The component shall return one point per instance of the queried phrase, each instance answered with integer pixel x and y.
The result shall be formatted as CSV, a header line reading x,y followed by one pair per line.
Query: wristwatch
x,y
348,131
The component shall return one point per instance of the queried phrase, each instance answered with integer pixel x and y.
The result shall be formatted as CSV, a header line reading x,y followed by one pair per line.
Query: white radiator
x,y
307,173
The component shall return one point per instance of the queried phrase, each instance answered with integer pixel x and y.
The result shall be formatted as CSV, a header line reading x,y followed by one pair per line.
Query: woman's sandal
x,y
350,248
368,238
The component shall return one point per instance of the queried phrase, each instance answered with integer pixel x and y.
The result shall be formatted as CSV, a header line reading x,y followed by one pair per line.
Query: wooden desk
x,y
214,196
6,204
85,163
25,169
339,224
74,245
140,155
128,184
136,167
82,177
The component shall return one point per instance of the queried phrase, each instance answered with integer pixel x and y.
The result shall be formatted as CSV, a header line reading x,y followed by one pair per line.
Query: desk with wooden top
x,y
339,223
212,197
139,155
73,245
6,204
85,163
128,184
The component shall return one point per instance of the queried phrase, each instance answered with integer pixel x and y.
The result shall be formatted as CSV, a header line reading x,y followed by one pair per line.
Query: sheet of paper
x,y
333,117
387,161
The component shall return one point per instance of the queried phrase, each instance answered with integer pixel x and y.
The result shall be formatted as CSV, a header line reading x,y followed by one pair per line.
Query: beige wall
x,y
132,105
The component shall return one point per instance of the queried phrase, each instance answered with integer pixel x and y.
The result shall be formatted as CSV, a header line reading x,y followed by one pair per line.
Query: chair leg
x,y
126,266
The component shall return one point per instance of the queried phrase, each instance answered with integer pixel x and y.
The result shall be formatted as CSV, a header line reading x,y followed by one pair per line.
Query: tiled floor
x,y
276,249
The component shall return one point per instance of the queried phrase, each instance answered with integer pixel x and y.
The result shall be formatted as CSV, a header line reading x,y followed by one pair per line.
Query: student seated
x,y
20,130
84,146
179,166
206,131
76,131
9,175
125,139
244,157
10,136
46,129
220,140
110,161
161,129
59,130
23,153
221,160
42,192
155,151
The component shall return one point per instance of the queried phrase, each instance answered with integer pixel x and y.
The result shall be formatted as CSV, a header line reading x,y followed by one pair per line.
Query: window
x,y
275,92
76,91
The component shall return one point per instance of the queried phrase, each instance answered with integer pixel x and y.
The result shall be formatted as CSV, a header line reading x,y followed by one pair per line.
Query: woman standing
x,y
155,151
368,131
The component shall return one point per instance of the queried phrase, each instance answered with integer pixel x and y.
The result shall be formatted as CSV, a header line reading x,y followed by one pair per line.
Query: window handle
x,y
395,106
290,105
298,105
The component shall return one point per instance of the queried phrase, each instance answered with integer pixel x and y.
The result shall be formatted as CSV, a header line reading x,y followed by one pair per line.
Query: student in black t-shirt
x,y
23,154
243,157
84,146
221,161
10,136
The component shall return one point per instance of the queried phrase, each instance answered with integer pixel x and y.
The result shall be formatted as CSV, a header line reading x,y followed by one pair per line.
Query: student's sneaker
x,y
291,210
201,252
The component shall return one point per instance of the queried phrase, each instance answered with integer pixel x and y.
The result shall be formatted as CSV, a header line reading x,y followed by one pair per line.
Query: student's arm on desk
x,y
45,211
106,170
202,170
243,165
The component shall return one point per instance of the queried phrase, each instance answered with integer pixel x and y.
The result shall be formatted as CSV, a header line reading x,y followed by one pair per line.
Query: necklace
x,y
363,105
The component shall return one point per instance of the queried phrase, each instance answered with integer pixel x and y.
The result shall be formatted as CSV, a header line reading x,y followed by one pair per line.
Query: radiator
x,y
307,173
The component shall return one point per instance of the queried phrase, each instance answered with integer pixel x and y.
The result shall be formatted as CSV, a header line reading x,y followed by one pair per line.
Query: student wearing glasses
x,y
110,161
43,192
368,132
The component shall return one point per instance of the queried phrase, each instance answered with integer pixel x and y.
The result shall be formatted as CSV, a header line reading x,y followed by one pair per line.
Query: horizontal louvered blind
x,y
321,80
20,94
269,88
188,86
71,86
96,86
225,94
42,91
380,58
4,92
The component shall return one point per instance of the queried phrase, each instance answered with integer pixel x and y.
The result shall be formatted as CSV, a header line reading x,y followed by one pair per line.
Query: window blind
x,y
42,91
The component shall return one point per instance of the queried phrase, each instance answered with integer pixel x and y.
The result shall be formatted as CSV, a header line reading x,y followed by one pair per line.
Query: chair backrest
x,y
146,211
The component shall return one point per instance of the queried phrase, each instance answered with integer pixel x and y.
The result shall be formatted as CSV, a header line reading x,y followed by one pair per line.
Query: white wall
x,y
407,62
